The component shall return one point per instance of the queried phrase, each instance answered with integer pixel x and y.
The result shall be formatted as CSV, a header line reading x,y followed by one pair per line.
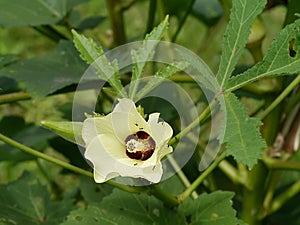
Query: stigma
x,y
140,146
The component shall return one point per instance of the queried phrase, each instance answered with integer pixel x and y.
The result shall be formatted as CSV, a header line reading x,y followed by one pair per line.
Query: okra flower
x,y
123,143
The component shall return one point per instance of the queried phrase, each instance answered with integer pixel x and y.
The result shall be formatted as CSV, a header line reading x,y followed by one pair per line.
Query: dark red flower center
x,y
139,146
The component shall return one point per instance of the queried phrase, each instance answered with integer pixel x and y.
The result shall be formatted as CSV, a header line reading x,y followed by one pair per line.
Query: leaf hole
x,y
292,52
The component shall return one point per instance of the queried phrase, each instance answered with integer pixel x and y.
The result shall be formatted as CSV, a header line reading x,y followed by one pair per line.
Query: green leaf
x,y
28,134
70,131
173,185
125,208
159,77
46,74
143,54
34,12
7,59
242,16
94,55
26,201
283,57
8,85
242,136
91,191
92,215
210,209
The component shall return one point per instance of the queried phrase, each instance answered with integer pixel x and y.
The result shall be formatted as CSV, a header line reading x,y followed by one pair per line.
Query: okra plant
x,y
110,130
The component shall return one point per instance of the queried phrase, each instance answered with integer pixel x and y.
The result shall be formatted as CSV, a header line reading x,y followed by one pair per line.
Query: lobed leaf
x,y
242,136
145,53
283,57
26,201
235,38
123,208
211,209
94,55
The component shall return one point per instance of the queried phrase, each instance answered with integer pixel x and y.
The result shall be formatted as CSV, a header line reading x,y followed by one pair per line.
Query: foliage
x,y
31,203
256,82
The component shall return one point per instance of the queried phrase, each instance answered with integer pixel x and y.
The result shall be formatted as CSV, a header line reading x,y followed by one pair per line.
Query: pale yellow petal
x,y
109,160
160,131
96,126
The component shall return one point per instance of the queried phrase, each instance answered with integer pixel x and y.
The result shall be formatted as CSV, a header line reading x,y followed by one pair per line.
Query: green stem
x,y
168,199
284,197
281,97
117,21
196,122
226,5
13,97
63,164
181,175
277,166
161,10
199,180
182,79
281,165
253,198
41,155
182,21
50,32
262,87
155,190
271,189
232,173
151,16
